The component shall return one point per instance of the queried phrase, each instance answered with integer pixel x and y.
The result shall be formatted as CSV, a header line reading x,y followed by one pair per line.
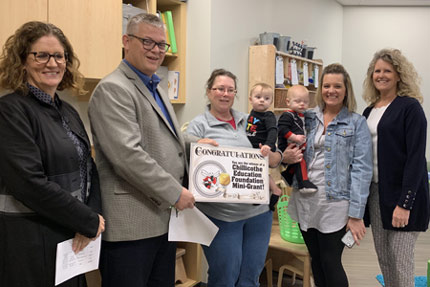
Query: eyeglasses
x,y
222,90
43,57
149,44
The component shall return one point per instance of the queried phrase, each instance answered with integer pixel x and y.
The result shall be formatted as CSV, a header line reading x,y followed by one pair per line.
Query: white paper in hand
x,y
69,264
191,225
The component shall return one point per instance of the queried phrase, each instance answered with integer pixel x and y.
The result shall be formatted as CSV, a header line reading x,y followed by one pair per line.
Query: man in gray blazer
x,y
141,156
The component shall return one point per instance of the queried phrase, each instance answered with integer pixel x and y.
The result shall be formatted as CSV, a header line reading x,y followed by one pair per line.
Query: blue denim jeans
x,y
237,254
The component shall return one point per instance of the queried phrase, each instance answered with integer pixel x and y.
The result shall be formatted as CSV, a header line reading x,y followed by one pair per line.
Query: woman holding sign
x,y
237,254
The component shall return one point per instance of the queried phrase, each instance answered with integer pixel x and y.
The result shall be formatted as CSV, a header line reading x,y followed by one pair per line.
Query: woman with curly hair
x,y
398,204
49,188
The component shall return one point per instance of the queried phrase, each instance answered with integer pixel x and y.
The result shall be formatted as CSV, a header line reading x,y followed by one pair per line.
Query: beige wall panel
x,y
94,28
14,13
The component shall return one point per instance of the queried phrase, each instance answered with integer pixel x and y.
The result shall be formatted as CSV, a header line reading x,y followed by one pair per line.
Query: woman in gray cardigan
x,y
237,254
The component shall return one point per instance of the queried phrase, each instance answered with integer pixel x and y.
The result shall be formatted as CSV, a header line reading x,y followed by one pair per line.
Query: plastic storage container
x,y
288,227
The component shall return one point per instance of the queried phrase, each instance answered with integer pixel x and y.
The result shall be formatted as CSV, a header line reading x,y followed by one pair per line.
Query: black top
x,y
261,128
289,123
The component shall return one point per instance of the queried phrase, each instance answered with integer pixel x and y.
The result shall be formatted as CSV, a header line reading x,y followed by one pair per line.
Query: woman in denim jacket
x,y
339,157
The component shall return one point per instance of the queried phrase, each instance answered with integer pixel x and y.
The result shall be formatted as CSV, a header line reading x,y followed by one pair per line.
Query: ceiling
x,y
384,2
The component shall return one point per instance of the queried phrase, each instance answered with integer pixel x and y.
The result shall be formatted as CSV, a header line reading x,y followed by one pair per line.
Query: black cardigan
x,y
402,167
39,165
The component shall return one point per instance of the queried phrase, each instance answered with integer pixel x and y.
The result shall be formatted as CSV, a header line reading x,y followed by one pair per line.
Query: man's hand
x,y
186,200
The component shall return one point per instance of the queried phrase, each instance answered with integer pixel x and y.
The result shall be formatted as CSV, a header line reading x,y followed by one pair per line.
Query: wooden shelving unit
x,y
94,28
262,60
262,63
192,262
174,62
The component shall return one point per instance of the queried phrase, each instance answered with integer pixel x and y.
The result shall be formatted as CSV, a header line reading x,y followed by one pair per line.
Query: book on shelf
x,y
129,11
163,18
173,84
171,31
162,73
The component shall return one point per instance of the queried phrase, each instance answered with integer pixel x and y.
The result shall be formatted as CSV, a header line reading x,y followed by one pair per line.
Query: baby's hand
x,y
300,139
297,139
265,149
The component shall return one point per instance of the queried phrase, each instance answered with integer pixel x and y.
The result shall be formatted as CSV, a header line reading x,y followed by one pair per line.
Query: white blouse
x,y
313,210
373,121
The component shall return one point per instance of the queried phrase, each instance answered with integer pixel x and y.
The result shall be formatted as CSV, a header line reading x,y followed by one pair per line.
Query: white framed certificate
x,y
228,174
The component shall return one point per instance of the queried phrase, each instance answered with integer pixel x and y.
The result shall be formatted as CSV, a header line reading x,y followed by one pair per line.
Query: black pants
x,y
326,255
28,246
142,263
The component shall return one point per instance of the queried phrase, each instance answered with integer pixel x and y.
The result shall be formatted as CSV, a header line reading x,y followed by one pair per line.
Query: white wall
x,y
368,29
198,58
219,33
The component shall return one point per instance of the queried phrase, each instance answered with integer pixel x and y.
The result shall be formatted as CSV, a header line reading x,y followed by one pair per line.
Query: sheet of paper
x,y
69,264
279,74
305,75
294,74
317,75
191,225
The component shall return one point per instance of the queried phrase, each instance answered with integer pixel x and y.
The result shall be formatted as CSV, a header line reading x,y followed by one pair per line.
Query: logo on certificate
x,y
228,174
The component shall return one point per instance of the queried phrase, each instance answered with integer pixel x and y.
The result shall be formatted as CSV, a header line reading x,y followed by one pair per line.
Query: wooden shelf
x,y
99,49
316,62
177,62
192,261
262,69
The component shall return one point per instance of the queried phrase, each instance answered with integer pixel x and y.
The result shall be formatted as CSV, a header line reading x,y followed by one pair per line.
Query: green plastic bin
x,y
289,229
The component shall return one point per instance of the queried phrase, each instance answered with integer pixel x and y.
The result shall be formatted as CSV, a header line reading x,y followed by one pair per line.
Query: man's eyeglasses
x,y
149,44
222,90
43,57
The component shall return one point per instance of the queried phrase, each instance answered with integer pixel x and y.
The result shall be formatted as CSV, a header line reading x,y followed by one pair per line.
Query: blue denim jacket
x,y
348,159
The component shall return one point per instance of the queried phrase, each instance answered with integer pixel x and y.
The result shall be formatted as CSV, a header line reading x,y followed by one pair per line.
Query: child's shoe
x,y
308,187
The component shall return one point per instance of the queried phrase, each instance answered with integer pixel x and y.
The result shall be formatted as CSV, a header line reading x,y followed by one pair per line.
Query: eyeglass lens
x,y
43,57
223,90
149,44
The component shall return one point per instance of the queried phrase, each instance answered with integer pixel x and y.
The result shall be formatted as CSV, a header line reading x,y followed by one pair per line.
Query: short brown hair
x,y
15,53
219,72
264,87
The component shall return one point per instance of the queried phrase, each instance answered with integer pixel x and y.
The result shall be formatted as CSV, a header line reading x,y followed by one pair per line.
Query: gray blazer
x,y
141,160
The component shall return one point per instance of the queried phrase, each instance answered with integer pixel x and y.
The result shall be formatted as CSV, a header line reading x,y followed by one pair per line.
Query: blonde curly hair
x,y
15,53
407,86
